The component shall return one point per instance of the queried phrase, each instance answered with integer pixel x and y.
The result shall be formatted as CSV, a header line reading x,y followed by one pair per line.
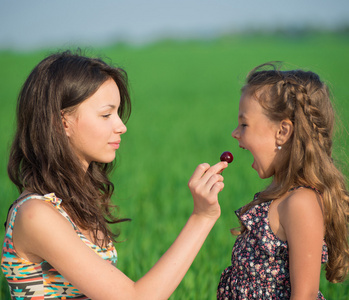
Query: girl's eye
x,y
243,125
106,116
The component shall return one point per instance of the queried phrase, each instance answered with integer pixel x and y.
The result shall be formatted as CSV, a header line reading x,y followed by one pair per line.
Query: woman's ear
x,y
65,123
285,131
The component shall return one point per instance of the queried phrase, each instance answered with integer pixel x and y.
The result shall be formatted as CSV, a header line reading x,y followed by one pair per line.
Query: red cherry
x,y
227,156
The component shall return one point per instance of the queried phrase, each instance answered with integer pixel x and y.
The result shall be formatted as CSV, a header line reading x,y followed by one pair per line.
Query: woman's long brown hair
x,y
41,159
303,98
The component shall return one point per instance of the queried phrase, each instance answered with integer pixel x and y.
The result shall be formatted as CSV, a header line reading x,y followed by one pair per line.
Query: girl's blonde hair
x,y
304,99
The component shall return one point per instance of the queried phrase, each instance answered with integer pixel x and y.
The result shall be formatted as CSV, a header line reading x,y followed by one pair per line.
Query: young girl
x,y
301,219
58,245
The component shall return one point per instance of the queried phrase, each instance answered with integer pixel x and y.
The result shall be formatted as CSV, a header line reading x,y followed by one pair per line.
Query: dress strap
x,y
306,187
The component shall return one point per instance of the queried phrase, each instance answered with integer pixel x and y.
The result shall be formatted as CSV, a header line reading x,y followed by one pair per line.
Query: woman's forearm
x,y
168,272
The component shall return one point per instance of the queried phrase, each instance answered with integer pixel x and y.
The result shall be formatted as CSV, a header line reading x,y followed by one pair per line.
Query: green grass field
x,y
185,102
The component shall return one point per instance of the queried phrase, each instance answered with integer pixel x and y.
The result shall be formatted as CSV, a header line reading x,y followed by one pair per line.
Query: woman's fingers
x,y
205,184
217,187
204,172
213,181
198,173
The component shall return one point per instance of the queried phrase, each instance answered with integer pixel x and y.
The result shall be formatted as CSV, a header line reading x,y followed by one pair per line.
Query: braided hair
x,y
304,99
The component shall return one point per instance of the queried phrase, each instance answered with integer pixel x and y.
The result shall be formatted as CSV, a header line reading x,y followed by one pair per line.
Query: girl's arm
x,y
40,232
302,220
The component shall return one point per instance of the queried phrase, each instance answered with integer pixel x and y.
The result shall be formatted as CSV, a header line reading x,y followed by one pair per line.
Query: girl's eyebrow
x,y
242,116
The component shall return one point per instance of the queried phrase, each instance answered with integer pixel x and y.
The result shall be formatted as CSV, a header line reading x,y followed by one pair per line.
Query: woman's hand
x,y
205,184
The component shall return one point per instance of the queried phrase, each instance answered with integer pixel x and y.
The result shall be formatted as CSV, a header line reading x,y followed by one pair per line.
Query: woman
x,y
70,119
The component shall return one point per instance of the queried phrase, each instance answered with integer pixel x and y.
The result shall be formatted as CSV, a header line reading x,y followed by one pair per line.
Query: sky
x,y
34,24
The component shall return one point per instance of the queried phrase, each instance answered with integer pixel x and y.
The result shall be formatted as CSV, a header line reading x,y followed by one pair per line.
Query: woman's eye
x,y
106,116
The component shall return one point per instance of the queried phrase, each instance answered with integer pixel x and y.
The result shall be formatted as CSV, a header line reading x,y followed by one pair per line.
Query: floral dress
x,y
260,268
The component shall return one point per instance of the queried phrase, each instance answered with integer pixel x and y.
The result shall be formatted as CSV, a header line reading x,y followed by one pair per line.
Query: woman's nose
x,y
123,128
120,127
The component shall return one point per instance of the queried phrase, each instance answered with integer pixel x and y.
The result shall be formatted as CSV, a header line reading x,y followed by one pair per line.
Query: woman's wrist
x,y
205,218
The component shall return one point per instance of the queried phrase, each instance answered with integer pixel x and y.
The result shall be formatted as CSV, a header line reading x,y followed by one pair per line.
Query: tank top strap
x,y
306,187
51,198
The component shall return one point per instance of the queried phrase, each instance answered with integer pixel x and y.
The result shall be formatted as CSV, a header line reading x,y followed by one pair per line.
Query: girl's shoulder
x,y
301,197
301,203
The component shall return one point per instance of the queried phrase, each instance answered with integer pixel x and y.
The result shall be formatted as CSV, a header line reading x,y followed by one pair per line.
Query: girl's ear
x,y
285,131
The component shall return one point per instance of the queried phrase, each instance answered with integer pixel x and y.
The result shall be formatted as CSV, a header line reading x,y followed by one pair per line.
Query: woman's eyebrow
x,y
112,106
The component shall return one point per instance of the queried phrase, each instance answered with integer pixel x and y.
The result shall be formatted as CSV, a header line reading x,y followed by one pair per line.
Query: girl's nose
x,y
234,134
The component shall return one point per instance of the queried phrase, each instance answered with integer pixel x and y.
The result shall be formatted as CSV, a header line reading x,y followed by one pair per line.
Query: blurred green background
x,y
185,100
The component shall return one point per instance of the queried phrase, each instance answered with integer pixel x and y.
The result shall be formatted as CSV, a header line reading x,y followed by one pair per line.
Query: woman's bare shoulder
x,y
36,222
36,211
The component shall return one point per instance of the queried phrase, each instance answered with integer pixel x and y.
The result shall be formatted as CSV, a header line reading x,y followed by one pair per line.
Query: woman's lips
x,y
115,145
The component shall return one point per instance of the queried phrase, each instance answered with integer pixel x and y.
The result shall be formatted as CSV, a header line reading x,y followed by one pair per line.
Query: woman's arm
x,y
302,220
41,232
